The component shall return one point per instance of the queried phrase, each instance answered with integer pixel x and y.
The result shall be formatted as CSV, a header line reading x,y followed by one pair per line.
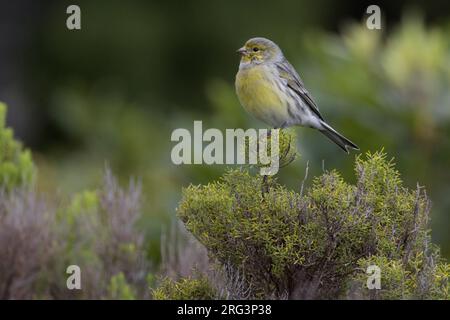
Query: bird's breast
x,y
260,95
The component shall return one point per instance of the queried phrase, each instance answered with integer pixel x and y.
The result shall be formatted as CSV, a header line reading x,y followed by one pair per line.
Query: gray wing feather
x,y
294,82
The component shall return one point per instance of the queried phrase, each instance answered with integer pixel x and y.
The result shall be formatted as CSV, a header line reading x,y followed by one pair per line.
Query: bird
x,y
269,88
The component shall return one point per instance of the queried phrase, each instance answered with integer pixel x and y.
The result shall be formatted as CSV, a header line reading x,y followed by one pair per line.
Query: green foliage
x,y
420,277
119,289
98,233
185,289
310,246
16,166
81,215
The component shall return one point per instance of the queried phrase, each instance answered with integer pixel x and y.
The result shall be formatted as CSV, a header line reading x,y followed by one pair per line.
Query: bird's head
x,y
259,50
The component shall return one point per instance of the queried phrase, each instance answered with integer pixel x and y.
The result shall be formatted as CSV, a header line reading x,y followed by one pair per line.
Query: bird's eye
x,y
255,49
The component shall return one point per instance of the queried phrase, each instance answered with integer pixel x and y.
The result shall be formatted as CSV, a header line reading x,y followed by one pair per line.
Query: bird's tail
x,y
337,138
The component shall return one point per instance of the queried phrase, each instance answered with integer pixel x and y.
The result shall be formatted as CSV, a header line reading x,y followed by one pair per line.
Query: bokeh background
x,y
111,93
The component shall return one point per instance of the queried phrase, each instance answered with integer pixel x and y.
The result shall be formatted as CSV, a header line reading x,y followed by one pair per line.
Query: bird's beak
x,y
242,51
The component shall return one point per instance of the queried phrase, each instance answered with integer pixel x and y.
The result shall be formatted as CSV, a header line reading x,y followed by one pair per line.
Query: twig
x,y
304,179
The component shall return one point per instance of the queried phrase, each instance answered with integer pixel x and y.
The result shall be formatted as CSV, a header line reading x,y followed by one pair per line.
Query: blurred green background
x,y
113,92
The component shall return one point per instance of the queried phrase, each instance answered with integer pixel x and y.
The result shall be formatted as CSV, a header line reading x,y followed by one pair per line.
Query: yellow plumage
x,y
260,96
269,88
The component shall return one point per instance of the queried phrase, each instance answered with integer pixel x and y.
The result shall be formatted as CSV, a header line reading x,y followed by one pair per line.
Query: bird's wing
x,y
293,81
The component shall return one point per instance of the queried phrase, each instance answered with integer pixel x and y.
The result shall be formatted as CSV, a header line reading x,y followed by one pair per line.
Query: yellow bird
x,y
269,88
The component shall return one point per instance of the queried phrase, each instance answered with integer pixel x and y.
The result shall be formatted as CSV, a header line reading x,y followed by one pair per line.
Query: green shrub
x,y
418,278
185,289
119,289
16,166
289,245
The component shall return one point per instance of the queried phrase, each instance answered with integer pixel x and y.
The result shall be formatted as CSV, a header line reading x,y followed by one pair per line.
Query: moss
x,y
185,289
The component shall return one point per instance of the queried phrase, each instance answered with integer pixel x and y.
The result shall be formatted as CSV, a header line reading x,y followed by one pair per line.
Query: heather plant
x,y
95,231
26,244
98,232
